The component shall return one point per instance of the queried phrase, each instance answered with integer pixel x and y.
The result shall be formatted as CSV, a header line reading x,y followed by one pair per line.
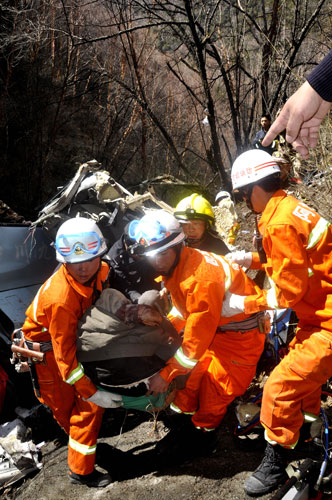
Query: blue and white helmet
x,y
157,231
79,240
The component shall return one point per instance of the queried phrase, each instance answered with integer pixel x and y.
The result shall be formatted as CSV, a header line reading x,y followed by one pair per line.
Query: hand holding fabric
x,y
157,385
241,257
149,316
106,399
165,298
232,304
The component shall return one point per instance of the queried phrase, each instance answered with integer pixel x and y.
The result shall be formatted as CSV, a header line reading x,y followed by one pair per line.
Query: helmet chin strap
x,y
177,249
248,198
249,205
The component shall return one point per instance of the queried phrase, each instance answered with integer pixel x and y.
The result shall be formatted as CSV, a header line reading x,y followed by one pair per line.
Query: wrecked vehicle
x,y
26,255
27,259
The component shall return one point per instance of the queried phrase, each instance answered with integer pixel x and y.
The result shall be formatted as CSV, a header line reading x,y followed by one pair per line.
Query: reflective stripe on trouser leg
x,y
186,400
178,410
308,418
233,362
294,385
85,424
205,429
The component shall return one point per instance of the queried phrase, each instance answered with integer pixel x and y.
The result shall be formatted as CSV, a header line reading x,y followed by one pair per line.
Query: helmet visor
x,y
147,234
78,244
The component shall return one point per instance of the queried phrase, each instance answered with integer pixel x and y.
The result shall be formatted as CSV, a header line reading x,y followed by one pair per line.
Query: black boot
x,y
185,442
173,420
269,474
94,480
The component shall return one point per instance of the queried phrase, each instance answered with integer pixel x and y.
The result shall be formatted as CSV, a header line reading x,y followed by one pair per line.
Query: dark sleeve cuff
x,y
320,78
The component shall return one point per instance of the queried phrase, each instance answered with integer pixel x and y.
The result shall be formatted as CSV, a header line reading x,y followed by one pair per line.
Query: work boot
x,y
94,480
173,420
186,442
269,474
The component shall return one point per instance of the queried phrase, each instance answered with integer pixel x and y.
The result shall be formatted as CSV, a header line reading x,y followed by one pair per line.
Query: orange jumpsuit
x,y
221,364
298,245
53,315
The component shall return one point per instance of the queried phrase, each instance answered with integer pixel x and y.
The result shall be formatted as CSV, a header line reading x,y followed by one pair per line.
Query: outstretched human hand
x,y
301,116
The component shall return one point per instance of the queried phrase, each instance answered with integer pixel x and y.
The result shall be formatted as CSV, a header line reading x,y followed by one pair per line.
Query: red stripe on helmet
x,y
93,244
264,165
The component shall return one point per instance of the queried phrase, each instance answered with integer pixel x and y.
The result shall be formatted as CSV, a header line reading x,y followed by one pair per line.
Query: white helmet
x,y
251,167
157,230
79,240
221,195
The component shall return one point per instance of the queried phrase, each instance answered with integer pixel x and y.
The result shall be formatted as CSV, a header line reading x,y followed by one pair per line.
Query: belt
x,y
242,326
39,346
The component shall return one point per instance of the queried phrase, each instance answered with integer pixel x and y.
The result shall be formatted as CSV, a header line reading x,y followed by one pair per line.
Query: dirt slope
x,y
131,461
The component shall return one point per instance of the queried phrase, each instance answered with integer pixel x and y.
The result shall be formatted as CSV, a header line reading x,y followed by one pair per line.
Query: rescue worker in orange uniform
x,y
220,354
196,216
297,243
50,327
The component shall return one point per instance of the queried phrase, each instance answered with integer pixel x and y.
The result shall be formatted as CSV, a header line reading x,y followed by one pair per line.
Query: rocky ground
x,y
127,440
126,451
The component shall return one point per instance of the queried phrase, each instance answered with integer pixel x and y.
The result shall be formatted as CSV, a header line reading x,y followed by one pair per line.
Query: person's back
x,y
122,344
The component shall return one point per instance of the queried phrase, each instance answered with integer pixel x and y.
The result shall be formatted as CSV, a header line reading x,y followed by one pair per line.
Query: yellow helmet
x,y
194,207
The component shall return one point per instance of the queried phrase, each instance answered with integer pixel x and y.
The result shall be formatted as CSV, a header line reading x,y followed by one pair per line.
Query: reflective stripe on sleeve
x,y
183,360
175,313
82,448
318,232
75,375
227,271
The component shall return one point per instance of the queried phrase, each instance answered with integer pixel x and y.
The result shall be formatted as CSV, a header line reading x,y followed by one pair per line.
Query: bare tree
x,y
147,85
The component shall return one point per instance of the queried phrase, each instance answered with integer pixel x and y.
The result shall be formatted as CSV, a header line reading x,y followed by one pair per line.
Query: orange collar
x,y
84,291
270,209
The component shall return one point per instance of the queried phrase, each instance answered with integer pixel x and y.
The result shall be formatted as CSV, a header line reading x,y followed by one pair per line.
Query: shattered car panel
x,y
26,257
26,261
